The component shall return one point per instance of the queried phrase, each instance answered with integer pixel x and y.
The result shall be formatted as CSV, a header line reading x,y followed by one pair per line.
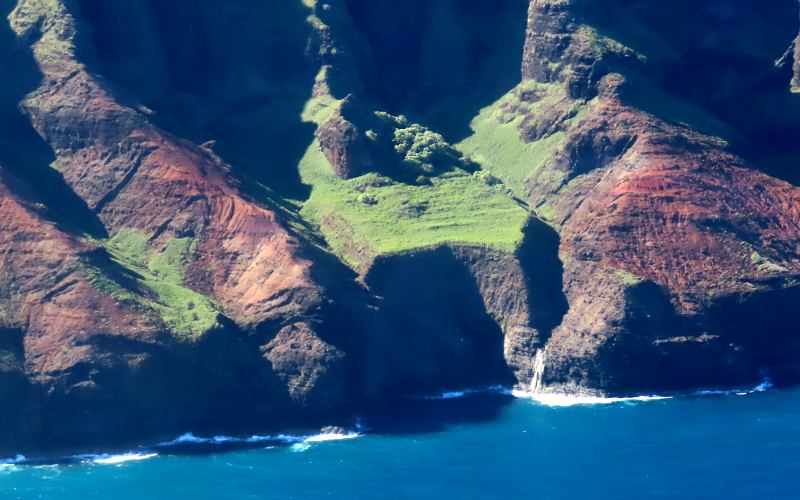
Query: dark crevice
x,y
126,179
441,62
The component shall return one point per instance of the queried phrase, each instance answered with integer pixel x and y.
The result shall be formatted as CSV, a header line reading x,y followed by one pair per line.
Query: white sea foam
x,y
190,438
319,438
305,442
494,389
297,440
105,459
763,386
11,462
565,400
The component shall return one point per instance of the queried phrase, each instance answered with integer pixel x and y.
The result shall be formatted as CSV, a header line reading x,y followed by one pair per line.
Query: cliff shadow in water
x,y
232,72
440,62
22,151
765,325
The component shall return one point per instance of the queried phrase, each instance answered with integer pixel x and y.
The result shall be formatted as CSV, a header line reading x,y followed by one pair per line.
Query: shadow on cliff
x,y
441,62
233,72
765,324
544,277
22,151
721,65
439,336
737,341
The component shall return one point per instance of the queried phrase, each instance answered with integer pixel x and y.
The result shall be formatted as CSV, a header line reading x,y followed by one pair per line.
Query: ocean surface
x,y
743,444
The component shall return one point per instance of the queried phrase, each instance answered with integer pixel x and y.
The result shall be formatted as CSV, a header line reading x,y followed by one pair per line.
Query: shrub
x,y
367,199
487,178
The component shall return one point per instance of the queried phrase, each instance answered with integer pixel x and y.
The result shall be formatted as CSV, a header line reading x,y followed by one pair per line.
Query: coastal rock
x,y
665,236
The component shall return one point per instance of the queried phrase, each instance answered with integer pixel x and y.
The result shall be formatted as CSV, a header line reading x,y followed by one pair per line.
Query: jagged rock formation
x,y
225,242
659,234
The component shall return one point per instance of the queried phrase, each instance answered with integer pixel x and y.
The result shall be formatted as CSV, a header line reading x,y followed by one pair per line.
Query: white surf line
x,y
306,443
560,400
106,459
565,400
303,441
11,462
763,386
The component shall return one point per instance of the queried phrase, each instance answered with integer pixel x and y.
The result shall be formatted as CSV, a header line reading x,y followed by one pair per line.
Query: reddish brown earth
x,y
670,263
678,255
48,291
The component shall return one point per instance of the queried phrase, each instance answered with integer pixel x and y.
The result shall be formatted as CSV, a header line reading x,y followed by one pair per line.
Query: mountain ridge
x,y
249,246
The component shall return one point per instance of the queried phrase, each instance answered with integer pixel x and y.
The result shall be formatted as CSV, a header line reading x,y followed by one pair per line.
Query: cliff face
x,y
190,278
665,235
280,223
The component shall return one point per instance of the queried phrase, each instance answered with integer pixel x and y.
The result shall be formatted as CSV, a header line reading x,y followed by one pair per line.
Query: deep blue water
x,y
481,447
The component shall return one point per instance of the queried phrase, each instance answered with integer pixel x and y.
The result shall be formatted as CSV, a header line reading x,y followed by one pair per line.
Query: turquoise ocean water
x,y
476,446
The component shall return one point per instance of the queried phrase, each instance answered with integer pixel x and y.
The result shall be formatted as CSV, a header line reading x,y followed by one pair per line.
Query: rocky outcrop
x,y
144,183
664,235
82,366
138,177
795,84
471,315
342,138
560,47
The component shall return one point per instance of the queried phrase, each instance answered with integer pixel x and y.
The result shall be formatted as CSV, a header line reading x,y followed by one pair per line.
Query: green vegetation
x,y
602,45
184,311
373,215
547,213
764,264
53,21
320,108
497,144
418,148
629,278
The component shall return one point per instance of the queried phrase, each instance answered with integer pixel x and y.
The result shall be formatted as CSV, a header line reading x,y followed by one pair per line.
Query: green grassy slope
x,y
160,275
372,215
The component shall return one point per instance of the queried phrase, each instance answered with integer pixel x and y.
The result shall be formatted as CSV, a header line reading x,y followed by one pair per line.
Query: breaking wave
x,y
565,400
12,462
763,386
558,400
105,459
297,442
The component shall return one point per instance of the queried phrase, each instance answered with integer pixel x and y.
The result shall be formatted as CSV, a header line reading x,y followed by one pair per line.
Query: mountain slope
x,y
245,217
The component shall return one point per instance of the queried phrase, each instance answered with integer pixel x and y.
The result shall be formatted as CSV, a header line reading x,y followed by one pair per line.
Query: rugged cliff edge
x,y
680,262
258,215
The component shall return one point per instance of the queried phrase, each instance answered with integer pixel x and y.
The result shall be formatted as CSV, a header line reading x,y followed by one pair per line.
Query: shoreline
x,y
189,443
